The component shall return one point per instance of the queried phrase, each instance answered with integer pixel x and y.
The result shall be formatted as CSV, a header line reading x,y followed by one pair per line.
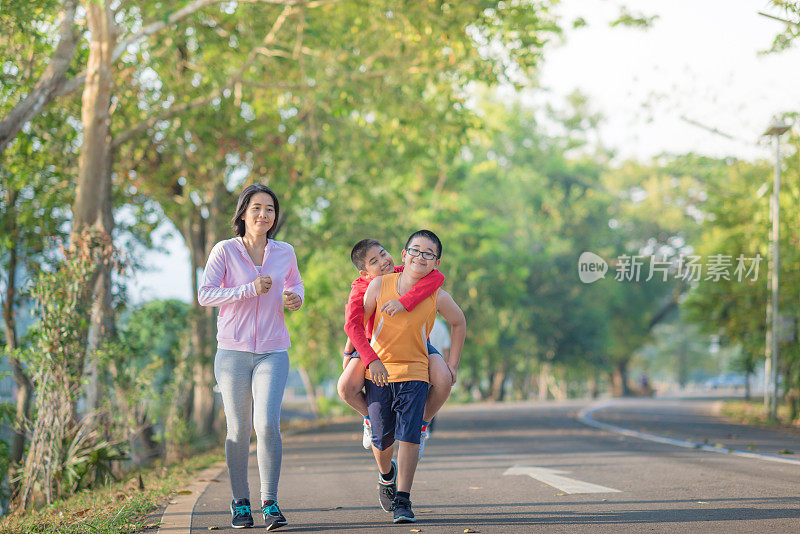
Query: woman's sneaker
x,y
366,439
272,515
402,511
387,489
242,517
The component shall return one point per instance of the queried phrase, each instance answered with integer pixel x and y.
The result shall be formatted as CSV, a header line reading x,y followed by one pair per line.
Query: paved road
x,y
328,481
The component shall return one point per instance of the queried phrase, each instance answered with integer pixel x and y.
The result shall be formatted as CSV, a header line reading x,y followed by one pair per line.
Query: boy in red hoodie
x,y
372,260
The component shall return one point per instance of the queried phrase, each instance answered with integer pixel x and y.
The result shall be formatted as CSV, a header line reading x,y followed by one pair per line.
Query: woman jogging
x,y
251,278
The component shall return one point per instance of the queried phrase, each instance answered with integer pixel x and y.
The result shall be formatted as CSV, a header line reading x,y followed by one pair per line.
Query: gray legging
x,y
245,380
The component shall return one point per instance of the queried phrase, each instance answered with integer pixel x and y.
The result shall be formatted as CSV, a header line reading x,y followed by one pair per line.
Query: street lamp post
x,y
771,351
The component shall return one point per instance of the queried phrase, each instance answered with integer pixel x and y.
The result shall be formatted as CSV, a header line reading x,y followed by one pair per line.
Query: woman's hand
x,y
292,300
263,283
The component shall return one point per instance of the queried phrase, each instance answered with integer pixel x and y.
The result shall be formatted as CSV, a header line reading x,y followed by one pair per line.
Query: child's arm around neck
x,y
423,289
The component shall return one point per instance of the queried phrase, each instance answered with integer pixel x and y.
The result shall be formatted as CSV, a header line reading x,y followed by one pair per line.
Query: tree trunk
x,y
23,410
310,390
143,448
203,398
747,376
49,85
793,401
619,380
54,419
683,366
175,427
523,385
21,380
486,390
203,375
498,385
594,390
544,374
533,385
102,328
556,390
92,206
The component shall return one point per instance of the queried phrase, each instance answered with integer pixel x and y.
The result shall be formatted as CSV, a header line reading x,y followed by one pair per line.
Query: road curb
x,y
177,516
585,417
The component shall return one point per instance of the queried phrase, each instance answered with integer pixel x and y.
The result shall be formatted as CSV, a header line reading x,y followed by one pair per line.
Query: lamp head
x,y
778,128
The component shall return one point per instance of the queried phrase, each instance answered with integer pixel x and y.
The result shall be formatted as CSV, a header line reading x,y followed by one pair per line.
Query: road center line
x,y
553,477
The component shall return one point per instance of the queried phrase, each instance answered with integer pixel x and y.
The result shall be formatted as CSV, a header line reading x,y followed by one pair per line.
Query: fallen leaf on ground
x,y
152,526
213,528
173,502
184,492
331,508
424,511
702,502
467,530
476,487
560,494
81,513
416,530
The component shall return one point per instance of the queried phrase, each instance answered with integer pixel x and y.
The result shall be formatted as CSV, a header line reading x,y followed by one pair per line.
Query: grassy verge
x,y
123,507
120,507
752,413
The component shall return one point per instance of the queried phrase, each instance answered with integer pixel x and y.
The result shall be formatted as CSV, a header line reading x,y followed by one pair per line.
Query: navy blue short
x,y
395,411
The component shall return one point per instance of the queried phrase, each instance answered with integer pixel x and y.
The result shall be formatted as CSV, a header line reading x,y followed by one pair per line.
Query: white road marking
x,y
552,477
585,417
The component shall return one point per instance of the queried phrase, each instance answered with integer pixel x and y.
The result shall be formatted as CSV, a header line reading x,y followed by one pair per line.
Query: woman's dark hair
x,y
244,201
428,235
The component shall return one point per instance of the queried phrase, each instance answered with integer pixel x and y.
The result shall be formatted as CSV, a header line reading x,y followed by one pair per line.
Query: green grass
x,y
120,507
752,413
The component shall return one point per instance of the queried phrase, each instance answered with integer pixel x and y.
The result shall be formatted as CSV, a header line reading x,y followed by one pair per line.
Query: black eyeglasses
x,y
425,255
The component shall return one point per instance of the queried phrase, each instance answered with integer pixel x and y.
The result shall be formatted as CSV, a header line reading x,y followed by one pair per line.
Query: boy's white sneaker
x,y
366,438
423,437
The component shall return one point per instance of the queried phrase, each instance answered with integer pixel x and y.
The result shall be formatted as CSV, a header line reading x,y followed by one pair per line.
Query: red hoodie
x,y
360,331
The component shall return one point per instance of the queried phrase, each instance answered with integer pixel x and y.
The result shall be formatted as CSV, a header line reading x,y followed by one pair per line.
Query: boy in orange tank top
x,y
372,260
396,408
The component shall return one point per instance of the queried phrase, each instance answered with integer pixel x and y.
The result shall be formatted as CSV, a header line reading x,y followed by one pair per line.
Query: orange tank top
x,y
401,341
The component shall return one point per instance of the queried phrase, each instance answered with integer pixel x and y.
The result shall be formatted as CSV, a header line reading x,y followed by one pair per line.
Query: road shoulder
x,y
694,424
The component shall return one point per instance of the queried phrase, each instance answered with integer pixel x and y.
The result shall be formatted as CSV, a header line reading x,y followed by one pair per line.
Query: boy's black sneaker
x,y
242,517
387,489
402,510
272,515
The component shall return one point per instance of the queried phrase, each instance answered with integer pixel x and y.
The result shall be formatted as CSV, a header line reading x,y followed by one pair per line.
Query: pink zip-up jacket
x,y
246,321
